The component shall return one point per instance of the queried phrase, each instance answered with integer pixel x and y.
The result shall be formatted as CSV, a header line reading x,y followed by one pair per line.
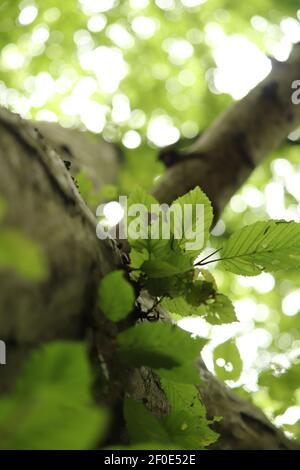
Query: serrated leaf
x,y
189,431
179,306
52,407
179,429
220,311
183,396
195,223
142,426
168,256
186,373
199,292
263,246
138,257
227,361
116,296
162,258
167,286
158,345
190,298
140,196
171,266
208,277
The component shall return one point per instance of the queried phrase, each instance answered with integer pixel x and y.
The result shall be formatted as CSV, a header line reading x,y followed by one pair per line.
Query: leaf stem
x,y
201,262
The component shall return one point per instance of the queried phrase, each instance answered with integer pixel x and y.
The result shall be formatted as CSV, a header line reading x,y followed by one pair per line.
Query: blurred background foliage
x,y
146,74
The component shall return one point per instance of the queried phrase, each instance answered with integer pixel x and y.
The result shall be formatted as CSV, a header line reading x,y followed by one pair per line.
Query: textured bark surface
x,y
227,152
44,203
98,159
243,426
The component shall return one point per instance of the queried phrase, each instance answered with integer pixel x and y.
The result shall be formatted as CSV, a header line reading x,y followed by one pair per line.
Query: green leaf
x,y
65,364
141,219
282,385
217,311
189,431
183,397
171,286
161,258
157,268
169,256
140,196
220,311
208,277
189,295
116,296
187,373
22,255
263,246
158,345
199,292
193,198
179,306
227,361
137,257
52,407
185,427
142,426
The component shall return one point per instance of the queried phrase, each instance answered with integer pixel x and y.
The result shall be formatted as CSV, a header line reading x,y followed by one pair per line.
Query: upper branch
x,y
226,153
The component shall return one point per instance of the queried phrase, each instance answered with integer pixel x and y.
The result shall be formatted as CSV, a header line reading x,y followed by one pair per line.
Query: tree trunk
x,y
44,203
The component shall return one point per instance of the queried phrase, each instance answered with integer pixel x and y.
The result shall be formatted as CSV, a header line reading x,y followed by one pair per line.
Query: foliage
x,y
181,429
231,365
115,306
162,347
51,407
166,268
175,278
171,275
262,246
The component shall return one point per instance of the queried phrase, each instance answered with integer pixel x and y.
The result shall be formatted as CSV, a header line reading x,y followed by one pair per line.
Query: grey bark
x,y
45,204
227,152
96,158
244,426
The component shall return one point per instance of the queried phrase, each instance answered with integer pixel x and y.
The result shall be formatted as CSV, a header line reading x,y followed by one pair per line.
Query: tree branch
x,y
44,204
226,154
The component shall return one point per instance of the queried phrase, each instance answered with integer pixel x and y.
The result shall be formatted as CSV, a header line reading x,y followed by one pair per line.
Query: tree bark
x,y
226,153
44,203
